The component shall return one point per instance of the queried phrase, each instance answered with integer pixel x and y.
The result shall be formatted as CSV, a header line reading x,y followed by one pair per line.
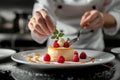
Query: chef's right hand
x,y
41,24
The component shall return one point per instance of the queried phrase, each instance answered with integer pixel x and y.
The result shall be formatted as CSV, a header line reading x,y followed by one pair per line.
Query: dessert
x,y
83,55
60,47
61,52
61,59
54,53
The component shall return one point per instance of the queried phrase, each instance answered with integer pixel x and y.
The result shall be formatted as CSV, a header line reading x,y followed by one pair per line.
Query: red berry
x,y
55,44
75,58
46,57
60,59
75,53
66,44
83,55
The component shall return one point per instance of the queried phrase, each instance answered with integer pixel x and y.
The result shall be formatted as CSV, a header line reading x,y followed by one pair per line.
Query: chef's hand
x,y
92,20
41,24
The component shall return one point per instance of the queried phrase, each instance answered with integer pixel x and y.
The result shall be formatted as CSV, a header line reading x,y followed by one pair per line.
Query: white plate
x,y
116,50
4,53
100,58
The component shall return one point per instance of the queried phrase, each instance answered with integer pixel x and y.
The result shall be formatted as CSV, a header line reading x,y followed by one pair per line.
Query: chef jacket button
x,y
61,30
94,7
92,31
59,6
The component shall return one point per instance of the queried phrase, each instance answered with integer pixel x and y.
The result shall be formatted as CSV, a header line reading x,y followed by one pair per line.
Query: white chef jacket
x,y
66,15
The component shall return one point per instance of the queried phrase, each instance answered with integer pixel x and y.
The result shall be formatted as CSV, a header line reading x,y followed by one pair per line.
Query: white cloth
x,y
67,19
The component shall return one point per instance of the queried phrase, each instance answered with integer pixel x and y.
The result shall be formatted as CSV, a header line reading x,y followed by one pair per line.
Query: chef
x,y
89,17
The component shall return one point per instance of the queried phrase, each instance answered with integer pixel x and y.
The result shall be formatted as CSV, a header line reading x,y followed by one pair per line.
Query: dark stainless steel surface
x,y
15,71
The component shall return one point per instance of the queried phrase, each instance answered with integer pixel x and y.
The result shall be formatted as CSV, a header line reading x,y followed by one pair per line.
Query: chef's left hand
x,y
92,20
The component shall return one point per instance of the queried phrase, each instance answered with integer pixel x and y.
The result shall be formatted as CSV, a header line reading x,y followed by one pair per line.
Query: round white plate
x,y
4,53
100,58
116,50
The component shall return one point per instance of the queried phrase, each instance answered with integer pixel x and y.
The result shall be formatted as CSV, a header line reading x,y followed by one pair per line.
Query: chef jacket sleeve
x,y
113,8
48,5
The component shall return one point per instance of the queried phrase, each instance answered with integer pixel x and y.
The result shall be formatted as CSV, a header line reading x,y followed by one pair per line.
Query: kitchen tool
x,y
75,39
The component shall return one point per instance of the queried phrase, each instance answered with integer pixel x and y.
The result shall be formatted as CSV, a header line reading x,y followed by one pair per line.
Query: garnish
x,y
55,44
60,59
68,39
75,58
57,34
60,41
83,55
66,44
46,57
75,53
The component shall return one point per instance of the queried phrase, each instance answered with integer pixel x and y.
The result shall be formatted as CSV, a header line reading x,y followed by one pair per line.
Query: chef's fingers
x,y
35,27
30,25
93,15
97,23
41,22
48,21
93,24
85,15
82,22
40,34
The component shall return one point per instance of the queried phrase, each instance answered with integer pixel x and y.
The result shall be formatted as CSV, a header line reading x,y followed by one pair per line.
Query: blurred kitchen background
x,y
14,32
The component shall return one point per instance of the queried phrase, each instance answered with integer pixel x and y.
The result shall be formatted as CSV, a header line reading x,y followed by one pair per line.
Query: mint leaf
x,y
53,37
57,34
61,34
68,39
56,31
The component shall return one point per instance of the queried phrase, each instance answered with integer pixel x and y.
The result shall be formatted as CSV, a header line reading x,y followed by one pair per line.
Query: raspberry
x,y
83,55
75,58
55,44
46,57
66,44
60,59
75,53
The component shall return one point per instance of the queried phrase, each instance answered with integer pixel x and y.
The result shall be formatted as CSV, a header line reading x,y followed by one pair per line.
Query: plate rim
x,y
114,49
61,65
9,53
